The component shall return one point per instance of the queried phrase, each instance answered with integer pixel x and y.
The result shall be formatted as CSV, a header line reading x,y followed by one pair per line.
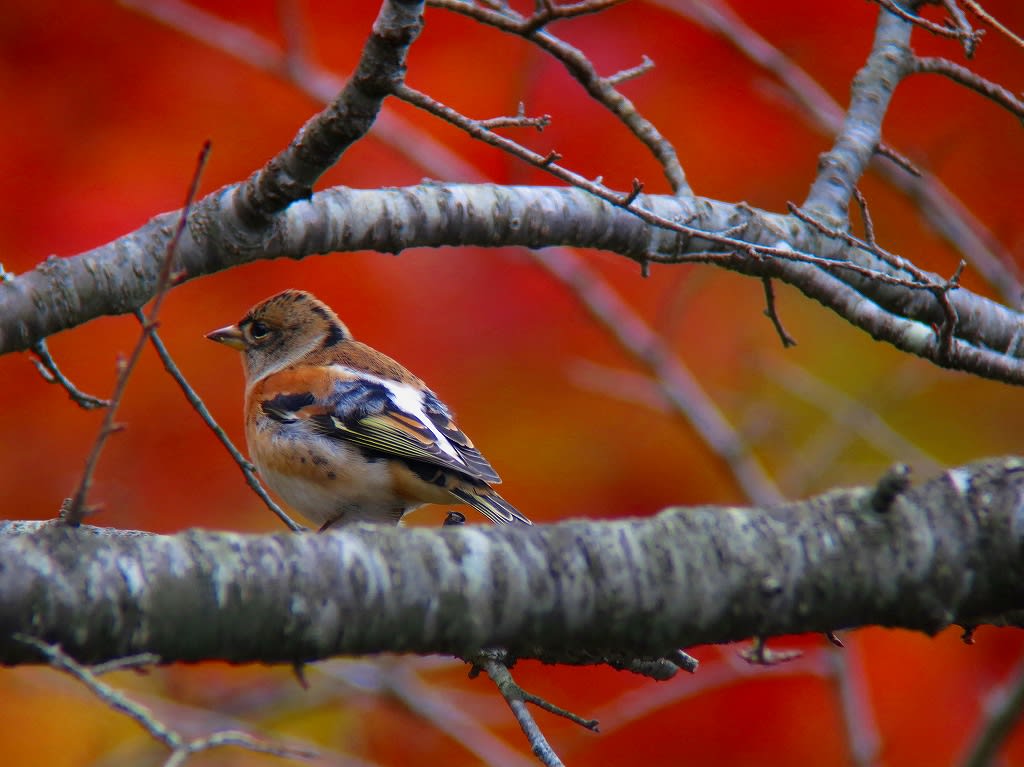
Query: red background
x,y
105,112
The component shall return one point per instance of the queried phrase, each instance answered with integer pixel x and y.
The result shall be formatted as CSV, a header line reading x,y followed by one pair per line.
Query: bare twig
x,y
945,332
759,654
968,37
1003,713
504,17
130,662
771,313
972,80
518,120
898,159
200,407
548,11
638,704
645,66
619,199
180,748
77,510
602,89
434,706
981,13
865,215
517,698
47,367
919,279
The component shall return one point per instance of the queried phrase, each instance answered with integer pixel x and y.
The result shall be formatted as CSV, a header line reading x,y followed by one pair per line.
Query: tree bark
x,y
948,551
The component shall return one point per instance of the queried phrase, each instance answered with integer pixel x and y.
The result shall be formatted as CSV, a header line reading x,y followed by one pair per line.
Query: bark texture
x,y
948,551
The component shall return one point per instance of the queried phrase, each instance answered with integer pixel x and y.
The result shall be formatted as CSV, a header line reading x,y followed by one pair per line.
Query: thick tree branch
x,y
946,552
291,174
840,169
870,292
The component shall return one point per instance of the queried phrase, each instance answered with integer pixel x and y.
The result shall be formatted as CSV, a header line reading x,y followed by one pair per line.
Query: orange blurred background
x,y
106,112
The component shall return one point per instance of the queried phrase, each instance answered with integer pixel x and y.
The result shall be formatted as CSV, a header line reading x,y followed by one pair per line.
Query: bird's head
x,y
280,330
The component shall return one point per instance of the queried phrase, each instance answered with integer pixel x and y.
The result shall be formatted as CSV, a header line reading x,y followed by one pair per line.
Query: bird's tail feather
x,y
491,505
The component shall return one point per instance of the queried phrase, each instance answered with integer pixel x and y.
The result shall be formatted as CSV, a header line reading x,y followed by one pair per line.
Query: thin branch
x,y
972,80
76,511
445,715
47,367
865,215
970,36
639,704
128,663
626,201
771,313
51,373
601,89
981,13
517,698
548,11
179,747
518,120
919,279
248,470
900,160
1003,713
945,332
645,66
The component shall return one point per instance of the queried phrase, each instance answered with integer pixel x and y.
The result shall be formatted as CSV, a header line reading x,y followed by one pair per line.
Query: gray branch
x,y
945,552
886,301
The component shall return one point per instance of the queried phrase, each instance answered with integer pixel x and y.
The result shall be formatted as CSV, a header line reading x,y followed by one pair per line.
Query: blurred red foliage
x,y
106,111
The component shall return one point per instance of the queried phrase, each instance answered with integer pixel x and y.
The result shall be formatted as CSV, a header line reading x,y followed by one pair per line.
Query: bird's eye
x,y
259,330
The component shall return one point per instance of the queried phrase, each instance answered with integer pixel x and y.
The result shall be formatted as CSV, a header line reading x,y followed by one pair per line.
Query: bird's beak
x,y
229,336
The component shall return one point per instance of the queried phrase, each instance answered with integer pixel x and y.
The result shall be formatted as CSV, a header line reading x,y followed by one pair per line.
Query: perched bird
x,y
344,433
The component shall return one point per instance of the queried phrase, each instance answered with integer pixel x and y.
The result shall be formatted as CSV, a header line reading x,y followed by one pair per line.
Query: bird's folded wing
x,y
371,415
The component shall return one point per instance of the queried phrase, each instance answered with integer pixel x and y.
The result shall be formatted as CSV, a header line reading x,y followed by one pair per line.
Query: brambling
x,y
344,433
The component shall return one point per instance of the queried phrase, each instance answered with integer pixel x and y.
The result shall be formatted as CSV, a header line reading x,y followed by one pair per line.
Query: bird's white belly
x,y
324,480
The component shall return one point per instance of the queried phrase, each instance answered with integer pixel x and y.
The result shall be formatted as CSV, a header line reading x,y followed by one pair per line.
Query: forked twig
x,y
51,373
517,698
181,748
987,17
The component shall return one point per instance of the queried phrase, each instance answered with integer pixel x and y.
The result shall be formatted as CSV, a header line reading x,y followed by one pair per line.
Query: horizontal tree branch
x,y
871,292
948,551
